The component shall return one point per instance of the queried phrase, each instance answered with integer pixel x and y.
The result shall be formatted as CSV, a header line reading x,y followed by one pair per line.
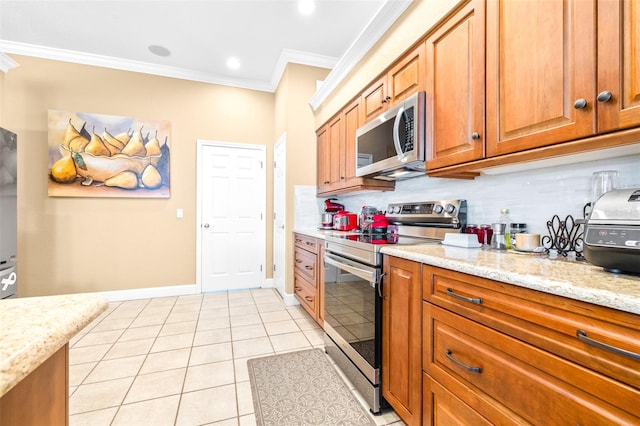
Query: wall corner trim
x,y
6,63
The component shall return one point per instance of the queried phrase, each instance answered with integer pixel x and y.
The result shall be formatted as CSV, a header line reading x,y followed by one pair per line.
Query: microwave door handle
x,y
396,134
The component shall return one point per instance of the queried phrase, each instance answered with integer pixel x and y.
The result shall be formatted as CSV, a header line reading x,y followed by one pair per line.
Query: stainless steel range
x,y
353,300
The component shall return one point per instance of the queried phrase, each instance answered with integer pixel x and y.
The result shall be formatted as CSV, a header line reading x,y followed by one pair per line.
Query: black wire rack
x,y
566,236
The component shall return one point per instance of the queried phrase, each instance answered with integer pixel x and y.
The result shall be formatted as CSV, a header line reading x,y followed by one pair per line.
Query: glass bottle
x,y
505,219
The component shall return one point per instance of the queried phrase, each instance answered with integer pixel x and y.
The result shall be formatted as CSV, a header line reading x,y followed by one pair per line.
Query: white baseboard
x,y
289,299
150,292
174,290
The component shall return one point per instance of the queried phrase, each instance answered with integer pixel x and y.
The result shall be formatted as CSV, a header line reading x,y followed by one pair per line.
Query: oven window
x,y
350,310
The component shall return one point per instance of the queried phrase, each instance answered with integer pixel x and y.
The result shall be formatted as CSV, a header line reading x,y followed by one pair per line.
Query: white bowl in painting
x,y
101,167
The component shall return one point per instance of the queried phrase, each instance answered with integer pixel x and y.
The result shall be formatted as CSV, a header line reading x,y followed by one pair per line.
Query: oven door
x,y
352,317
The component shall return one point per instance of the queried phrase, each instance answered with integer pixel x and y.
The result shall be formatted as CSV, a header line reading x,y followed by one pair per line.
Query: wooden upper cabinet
x,y
351,124
402,80
374,99
323,158
407,76
618,64
455,88
336,143
541,60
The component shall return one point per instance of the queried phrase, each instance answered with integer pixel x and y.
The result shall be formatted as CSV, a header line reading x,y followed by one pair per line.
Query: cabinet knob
x,y
383,101
580,103
604,96
475,135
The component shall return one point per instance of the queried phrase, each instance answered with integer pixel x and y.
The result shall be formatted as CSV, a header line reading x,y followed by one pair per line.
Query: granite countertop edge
x,y
571,279
34,328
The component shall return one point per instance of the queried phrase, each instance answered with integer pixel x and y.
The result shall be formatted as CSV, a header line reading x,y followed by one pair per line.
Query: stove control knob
x,y
449,208
396,209
437,209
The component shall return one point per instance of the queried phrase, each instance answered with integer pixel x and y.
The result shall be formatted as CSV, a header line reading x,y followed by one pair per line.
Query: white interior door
x,y
232,220
279,213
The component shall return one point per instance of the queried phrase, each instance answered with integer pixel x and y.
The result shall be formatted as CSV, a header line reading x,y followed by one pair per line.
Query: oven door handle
x,y
369,275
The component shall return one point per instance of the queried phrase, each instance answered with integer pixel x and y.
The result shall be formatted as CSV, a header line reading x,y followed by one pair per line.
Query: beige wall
x,y
413,25
295,117
68,245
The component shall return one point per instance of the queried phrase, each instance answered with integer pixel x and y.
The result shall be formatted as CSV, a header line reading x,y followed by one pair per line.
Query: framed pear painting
x,y
96,155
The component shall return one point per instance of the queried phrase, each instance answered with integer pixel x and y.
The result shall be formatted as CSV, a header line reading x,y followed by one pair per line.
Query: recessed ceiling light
x,y
306,7
159,50
233,63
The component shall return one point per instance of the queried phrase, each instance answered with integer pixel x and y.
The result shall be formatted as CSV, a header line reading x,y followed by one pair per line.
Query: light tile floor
x,y
182,360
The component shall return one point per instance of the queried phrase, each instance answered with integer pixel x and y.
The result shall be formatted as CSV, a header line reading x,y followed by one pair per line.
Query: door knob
x,y
206,225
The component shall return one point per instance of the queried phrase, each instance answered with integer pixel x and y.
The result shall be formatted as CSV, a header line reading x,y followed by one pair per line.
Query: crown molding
x,y
6,63
127,65
388,14
288,56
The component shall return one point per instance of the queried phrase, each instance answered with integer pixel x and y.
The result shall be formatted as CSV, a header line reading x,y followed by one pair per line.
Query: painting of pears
x,y
97,155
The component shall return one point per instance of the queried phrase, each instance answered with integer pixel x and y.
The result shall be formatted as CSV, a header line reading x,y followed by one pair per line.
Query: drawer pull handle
x,y
298,240
298,261
308,268
582,336
308,299
458,363
298,288
476,300
309,243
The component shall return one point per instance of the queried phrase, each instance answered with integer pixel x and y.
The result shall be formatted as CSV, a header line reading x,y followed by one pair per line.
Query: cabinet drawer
x,y
306,294
306,242
546,321
305,264
441,407
538,386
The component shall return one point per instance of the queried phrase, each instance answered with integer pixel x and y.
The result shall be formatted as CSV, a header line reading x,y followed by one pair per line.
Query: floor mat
x,y
302,388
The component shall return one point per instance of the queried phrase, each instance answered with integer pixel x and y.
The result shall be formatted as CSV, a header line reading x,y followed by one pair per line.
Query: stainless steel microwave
x,y
392,145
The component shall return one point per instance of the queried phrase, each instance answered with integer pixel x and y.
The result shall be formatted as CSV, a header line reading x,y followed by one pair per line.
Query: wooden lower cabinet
x,y
308,276
401,338
501,354
41,398
442,407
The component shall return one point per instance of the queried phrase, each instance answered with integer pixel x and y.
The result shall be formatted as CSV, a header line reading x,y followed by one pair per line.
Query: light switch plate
x,y
179,213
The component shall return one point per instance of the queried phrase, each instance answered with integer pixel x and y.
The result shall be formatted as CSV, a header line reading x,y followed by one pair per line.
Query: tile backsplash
x,y
532,196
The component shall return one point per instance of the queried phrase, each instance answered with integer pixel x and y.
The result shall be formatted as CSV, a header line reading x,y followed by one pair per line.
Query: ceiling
x,y
264,35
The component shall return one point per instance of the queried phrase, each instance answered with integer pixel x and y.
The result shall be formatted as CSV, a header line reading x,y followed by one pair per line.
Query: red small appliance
x,y
345,221
379,224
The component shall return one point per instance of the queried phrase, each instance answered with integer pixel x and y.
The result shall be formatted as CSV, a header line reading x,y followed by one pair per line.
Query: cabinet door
x,y
455,89
336,141
407,76
374,99
401,338
351,124
618,64
323,164
540,61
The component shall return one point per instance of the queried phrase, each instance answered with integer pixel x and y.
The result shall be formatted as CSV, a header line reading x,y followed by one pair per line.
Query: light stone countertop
x,y
34,328
319,233
571,279
575,280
